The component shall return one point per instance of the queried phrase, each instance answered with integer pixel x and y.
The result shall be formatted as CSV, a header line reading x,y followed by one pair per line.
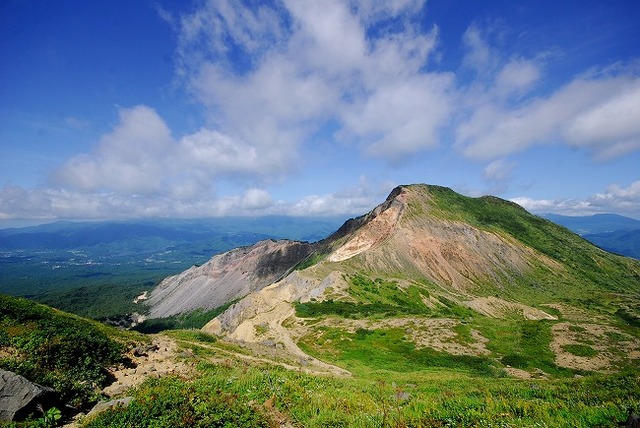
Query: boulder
x,y
106,405
19,397
143,350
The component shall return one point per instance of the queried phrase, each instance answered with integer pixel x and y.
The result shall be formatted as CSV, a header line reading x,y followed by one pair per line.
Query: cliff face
x,y
226,277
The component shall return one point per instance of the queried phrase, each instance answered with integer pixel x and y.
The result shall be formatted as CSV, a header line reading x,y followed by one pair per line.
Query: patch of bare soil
x,y
437,333
259,318
267,329
155,360
456,255
498,308
371,234
609,343
276,355
158,359
518,373
572,313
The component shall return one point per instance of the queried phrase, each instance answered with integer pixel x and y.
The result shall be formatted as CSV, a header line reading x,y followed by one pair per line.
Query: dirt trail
x,y
157,361
280,357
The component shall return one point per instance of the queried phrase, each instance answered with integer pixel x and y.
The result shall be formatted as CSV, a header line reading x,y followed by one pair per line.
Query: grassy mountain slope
x,y
583,265
433,280
59,350
259,391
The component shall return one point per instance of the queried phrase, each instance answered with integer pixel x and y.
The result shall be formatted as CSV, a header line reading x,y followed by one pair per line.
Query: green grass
x,y
596,269
260,394
522,344
194,319
378,298
172,403
580,350
388,350
311,260
59,350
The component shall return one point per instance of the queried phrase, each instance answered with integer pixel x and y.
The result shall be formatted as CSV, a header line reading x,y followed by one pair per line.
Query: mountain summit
x,y
426,252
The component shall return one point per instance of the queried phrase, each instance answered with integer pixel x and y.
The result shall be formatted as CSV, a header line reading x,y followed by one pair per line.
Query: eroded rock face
x,y
19,397
227,277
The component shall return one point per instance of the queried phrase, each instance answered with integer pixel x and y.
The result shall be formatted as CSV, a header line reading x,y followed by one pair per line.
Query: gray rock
x,y
187,353
19,397
106,405
402,396
143,350
226,277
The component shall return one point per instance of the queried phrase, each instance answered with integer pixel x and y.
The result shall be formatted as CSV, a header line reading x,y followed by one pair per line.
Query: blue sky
x,y
127,109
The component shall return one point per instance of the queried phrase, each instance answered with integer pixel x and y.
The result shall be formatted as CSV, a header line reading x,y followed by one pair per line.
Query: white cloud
x,y
320,65
615,199
140,157
216,153
593,111
497,170
516,77
50,204
506,110
256,199
376,10
480,56
402,117
611,126
132,158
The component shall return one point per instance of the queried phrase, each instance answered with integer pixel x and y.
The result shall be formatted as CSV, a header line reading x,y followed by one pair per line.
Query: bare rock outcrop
x,y
226,277
19,397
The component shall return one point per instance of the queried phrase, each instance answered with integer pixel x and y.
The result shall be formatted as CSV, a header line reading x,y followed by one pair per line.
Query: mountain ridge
x,y
428,253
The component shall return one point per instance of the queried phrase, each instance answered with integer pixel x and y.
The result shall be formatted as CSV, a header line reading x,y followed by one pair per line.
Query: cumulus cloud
x,y
49,204
480,56
132,158
505,112
317,64
516,77
256,199
609,127
614,199
274,76
578,111
141,157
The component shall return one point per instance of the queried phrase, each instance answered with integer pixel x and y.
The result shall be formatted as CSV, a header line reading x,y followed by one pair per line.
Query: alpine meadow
x,y
320,214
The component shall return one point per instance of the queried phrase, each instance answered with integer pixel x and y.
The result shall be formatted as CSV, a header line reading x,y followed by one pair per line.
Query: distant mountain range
x,y
611,232
77,235
97,268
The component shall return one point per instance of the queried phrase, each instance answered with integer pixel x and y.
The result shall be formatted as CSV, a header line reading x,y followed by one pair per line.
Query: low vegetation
x,y
191,320
596,268
418,357
59,350
380,394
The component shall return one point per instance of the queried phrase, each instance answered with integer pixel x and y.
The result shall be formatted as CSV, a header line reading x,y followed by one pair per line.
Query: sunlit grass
x,y
384,397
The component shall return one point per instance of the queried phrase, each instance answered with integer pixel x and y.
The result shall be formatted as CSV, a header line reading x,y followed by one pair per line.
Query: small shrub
x,y
172,403
56,349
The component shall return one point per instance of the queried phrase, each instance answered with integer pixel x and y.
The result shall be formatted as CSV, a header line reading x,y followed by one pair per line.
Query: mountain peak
x,y
431,245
